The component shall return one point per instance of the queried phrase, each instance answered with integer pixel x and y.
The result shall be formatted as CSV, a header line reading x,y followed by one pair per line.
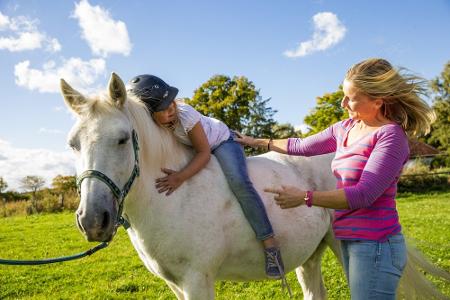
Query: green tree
x,y
3,185
63,185
327,112
260,121
32,184
439,136
284,131
236,102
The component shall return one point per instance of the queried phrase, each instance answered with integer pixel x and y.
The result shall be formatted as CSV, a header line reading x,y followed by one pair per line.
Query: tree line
x,y
62,187
238,103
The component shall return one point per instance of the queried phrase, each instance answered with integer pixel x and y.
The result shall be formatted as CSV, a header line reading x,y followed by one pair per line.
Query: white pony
x,y
198,234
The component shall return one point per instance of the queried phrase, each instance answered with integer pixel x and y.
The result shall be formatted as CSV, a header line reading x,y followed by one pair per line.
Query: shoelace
x,y
273,261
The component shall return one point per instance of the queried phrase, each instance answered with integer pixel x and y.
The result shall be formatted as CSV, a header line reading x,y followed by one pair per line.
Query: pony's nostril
x,y
106,219
79,224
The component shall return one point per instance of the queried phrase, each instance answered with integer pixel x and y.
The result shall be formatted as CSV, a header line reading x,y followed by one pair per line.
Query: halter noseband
x,y
119,194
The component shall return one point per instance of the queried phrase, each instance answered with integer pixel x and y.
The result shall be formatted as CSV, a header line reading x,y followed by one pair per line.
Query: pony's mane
x,y
158,146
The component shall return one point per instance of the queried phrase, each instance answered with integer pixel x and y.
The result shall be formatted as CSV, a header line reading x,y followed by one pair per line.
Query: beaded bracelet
x,y
308,198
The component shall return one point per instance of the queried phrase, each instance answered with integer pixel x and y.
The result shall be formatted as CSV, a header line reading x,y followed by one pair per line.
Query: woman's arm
x,y
320,143
279,146
290,196
382,168
174,179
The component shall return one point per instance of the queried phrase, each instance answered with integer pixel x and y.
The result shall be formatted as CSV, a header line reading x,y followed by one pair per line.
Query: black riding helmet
x,y
153,91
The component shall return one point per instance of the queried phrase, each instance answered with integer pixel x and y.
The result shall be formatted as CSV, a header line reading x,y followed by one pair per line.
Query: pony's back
x,y
298,230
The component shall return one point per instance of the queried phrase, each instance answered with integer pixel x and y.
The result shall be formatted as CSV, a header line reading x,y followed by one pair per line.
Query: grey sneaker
x,y
274,263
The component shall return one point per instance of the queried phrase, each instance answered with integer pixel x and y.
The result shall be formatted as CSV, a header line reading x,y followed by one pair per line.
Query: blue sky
x,y
293,51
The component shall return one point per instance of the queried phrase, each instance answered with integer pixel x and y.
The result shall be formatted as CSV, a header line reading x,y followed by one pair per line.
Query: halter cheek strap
x,y
119,194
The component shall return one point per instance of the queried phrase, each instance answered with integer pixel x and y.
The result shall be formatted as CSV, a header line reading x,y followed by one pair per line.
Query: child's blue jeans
x,y
231,157
373,269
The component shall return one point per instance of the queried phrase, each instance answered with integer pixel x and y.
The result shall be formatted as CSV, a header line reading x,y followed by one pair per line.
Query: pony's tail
x,y
414,284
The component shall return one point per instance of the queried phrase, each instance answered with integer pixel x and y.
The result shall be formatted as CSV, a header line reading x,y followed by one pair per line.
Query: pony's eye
x,y
123,141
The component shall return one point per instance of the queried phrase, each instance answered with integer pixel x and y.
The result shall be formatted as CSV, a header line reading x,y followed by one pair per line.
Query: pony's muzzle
x,y
98,228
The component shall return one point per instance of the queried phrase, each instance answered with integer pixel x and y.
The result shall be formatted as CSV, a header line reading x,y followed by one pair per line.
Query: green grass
x,y
117,273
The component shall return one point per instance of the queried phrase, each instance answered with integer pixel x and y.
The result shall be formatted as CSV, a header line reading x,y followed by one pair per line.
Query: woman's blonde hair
x,y
401,93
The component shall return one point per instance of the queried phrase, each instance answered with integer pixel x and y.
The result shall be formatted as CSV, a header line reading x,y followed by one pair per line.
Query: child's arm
x,y
174,179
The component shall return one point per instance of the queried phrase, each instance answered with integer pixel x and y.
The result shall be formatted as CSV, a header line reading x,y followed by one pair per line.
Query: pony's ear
x,y
72,97
117,91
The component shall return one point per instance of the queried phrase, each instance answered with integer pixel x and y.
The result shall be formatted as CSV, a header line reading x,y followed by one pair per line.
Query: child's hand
x,y
168,183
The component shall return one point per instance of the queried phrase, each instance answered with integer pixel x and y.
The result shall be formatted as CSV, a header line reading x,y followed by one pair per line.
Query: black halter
x,y
119,194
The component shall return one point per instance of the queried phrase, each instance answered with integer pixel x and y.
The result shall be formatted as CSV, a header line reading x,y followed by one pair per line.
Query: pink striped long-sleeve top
x,y
368,171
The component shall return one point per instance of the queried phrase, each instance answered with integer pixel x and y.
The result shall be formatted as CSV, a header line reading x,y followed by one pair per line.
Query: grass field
x,y
117,273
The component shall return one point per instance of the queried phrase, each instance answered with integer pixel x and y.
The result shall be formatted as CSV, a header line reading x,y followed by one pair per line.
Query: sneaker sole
x,y
273,276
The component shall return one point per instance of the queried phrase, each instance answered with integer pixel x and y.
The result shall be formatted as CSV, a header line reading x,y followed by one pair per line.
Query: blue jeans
x,y
231,157
373,269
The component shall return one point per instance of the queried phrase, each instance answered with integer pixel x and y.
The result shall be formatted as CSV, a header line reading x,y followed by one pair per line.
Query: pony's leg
x,y
176,290
309,276
198,286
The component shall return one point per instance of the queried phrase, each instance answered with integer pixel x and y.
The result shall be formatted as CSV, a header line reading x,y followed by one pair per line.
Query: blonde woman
x,y
371,148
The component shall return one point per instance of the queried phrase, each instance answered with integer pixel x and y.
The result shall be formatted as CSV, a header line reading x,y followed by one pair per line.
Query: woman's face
x,y
167,116
359,105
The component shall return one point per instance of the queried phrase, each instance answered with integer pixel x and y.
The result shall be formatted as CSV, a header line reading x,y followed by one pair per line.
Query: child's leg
x,y
270,242
231,157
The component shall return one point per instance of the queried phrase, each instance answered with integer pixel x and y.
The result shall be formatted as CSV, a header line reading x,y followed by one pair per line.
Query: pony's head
x,y
102,140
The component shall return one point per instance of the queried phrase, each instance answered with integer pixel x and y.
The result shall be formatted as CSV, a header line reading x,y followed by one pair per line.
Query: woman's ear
x,y
378,103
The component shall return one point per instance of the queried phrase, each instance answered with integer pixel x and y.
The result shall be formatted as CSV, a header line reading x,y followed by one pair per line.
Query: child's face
x,y
167,116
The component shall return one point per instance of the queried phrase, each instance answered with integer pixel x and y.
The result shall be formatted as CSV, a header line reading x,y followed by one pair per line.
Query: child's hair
x,y
399,90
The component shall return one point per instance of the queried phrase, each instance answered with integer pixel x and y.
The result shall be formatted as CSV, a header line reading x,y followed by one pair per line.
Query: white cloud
x,y
16,163
103,34
81,74
4,21
23,34
24,41
53,45
328,31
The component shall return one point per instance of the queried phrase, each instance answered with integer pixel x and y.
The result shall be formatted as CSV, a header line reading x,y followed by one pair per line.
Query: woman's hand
x,y
245,140
287,196
168,183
